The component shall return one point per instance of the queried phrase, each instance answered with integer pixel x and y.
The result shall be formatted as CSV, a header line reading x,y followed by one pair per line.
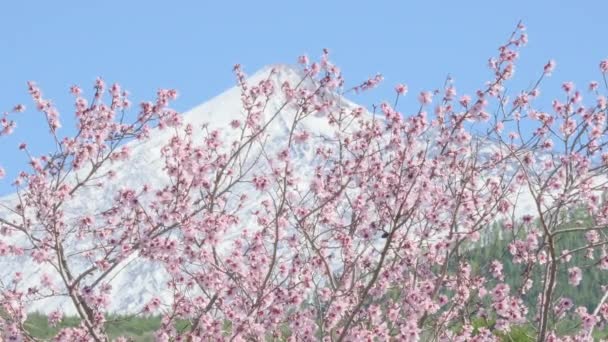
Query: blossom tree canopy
x,y
375,242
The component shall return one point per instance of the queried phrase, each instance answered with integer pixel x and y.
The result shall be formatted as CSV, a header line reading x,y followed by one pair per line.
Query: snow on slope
x,y
141,280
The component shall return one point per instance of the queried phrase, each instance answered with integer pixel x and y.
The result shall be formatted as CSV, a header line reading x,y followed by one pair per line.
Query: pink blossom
x,y
75,90
55,318
566,255
588,320
314,69
593,85
592,236
19,108
496,270
602,102
563,305
604,66
261,183
371,82
301,137
604,311
547,144
235,124
549,67
401,89
568,86
425,97
367,238
499,126
465,100
152,306
575,275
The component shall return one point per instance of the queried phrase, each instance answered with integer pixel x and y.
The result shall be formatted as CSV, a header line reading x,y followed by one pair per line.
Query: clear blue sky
x,y
192,45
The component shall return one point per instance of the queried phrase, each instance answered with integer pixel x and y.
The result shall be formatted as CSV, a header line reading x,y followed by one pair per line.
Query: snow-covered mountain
x,y
140,280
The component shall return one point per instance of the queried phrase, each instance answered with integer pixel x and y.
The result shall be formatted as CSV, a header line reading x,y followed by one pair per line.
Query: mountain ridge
x,y
145,166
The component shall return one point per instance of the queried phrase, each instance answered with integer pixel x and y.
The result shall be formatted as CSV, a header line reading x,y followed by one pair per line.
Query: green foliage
x,y
37,325
137,328
494,246
522,333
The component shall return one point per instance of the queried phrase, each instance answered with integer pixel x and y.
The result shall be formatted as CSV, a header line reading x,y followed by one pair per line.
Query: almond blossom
x,y
371,240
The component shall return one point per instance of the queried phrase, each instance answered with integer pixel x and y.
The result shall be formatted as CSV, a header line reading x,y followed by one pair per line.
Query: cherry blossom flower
x,y
55,318
575,275
425,97
367,239
604,66
401,89
549,67
261,183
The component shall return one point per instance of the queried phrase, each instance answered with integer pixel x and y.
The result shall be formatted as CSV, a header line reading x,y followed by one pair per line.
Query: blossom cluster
x,y
372,245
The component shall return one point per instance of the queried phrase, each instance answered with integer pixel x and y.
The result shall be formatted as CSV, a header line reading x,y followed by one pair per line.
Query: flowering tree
x,y
373,245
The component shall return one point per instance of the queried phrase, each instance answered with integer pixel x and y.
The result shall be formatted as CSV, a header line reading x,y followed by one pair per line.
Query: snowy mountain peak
x,y
139,280
227,106
283,72
146,166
